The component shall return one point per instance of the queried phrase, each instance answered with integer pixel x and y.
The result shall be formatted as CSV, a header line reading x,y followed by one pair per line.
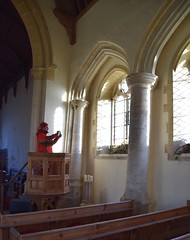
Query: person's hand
x,y
59,134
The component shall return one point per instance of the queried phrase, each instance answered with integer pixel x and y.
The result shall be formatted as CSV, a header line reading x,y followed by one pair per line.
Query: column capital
x,y
142,78
40,73
79,103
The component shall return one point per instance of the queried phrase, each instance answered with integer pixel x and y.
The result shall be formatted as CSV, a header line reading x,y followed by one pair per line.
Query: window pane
x,y
120,120
104,123
119,134
112,122
119,106
181,105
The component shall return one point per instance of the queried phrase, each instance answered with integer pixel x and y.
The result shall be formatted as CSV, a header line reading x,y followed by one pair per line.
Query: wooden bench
x,y
157,226
42,221
183,237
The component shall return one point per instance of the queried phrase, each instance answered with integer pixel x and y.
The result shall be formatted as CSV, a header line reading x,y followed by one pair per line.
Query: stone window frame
x,y
113,115
168,108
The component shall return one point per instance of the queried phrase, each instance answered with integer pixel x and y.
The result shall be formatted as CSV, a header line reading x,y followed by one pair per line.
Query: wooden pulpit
x,y
47,179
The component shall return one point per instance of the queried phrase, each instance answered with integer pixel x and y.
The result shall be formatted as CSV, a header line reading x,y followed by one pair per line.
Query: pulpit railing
x,y
11,185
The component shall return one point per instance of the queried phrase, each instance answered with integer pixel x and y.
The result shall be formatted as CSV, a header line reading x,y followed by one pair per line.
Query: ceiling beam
x,y
69,23
69,20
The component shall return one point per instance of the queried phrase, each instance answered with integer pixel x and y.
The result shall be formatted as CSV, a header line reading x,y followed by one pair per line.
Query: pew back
x,y
183,237
157,225
61,218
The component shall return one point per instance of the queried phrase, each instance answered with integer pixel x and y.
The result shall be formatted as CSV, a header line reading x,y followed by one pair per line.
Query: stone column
x,y
138,155
39,76
38,104
76,149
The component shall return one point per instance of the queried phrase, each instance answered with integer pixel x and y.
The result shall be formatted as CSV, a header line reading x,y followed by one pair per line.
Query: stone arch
x,y
43,68
103,53
179,50
39,37
168,61
103,61
162,111
165,23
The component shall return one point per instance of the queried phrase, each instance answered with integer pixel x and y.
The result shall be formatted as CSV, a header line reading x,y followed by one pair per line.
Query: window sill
x,y
112,156
183,157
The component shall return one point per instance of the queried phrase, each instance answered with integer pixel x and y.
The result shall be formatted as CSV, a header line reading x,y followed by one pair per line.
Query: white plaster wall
x,y
169,179
172,184
57,89
15,125
109,178
113,20
55,113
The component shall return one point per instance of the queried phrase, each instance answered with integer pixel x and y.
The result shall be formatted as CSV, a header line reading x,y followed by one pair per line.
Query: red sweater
x,y
45,142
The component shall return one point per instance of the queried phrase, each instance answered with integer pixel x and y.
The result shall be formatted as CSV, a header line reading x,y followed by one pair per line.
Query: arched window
x,y
181,102
113,119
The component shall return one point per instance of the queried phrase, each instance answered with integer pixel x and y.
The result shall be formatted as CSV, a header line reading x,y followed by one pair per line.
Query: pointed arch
x,y
167,62
100,56
39,37
165,23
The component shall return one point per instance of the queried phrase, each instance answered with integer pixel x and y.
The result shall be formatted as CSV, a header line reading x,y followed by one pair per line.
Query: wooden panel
x,y
47,173
56,214
183,237
158,225
58,218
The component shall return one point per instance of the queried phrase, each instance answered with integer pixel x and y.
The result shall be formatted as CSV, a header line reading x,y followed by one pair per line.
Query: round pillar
x,y
39,76
76,148
138,154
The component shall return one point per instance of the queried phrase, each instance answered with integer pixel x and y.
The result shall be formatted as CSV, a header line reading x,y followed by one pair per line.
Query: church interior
x,y
113,78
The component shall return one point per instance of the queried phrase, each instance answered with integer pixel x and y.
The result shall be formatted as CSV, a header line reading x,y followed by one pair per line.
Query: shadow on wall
x,y
103,196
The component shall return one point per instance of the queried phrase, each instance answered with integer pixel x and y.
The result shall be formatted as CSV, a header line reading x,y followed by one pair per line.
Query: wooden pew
x,y
183,237
61,218
156,226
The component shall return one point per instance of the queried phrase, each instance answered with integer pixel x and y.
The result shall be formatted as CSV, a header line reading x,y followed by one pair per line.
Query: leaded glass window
x,y
113,122
120,120
103,124
181,106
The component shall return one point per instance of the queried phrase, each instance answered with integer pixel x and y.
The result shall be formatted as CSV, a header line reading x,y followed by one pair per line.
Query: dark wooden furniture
x,y
156,226
42,221
48,179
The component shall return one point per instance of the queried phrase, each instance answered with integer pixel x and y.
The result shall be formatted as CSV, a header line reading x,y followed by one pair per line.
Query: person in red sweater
x,y
44,142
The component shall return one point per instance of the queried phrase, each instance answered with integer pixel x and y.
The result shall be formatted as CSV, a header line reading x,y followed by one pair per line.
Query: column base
x,y
85,203
73,199
140,207
71,202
